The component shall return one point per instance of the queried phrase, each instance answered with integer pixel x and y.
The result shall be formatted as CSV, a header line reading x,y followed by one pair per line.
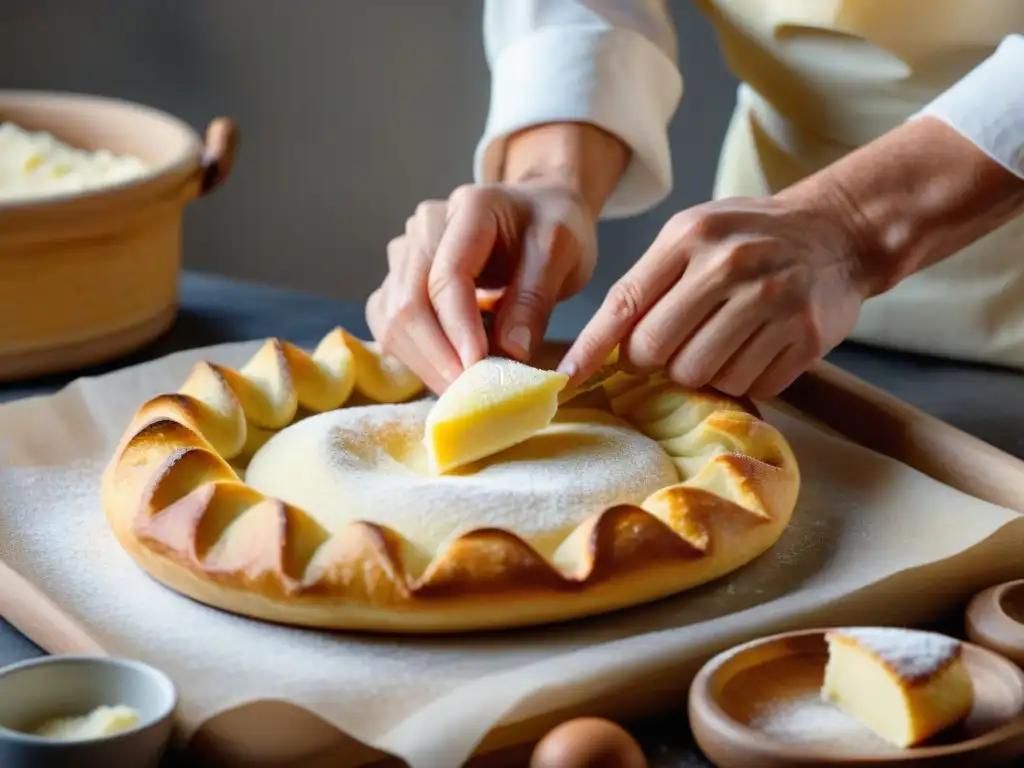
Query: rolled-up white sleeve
x,y
986,106
611,63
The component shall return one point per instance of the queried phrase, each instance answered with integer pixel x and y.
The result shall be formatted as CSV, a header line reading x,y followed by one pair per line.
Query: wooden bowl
x,y
995,620
89,276
758,706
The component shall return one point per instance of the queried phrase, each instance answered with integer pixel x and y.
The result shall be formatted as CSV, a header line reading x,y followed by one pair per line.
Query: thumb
x,y
530,298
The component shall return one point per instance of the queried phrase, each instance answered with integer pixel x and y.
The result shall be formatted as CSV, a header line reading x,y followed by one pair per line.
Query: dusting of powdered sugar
x,y
808,720
362,464
493,377
910,654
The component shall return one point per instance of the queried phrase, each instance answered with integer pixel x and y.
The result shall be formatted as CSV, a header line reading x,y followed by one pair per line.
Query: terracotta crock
x,y
90,276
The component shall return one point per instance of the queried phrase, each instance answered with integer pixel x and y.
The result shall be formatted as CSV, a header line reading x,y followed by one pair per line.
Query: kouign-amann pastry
x,y
904,685
325,489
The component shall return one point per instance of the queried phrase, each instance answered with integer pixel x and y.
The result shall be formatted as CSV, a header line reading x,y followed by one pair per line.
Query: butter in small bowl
x,y
37,164
102,721
85,711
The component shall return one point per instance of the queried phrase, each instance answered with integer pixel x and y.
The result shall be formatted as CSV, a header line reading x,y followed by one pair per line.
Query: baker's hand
x,y
536,241
740,294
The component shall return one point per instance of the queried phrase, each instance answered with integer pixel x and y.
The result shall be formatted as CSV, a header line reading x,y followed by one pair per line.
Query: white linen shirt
x,y
818,79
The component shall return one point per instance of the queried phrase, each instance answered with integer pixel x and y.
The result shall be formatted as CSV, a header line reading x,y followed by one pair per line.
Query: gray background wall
x,y
352,112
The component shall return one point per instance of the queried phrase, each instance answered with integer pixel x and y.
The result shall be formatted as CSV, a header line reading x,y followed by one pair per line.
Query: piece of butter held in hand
x,y
102,721
495,404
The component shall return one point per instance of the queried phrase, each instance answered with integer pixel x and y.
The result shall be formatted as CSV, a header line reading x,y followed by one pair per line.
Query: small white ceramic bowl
x,y
34,691
86,277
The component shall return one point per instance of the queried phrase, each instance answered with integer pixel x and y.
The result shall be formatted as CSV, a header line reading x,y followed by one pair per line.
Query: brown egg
x,y
588,742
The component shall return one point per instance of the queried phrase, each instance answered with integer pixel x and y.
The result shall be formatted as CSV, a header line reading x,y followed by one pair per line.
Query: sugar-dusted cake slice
x,y
493,405
905,685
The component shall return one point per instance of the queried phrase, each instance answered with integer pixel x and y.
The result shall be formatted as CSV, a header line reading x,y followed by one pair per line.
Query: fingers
x,y
626,303
535,247
753,357
423,233
400,314
783,371
670,322
462,252
765,362
414,325
703,355
402,322
730,294
547,260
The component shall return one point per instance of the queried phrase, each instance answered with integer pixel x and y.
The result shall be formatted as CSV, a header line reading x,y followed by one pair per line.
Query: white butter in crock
x,y
102,721
36,164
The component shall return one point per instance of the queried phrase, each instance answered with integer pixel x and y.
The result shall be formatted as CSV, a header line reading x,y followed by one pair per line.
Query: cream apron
x,y
821,77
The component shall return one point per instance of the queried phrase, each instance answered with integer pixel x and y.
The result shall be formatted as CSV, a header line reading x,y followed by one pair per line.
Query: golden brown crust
x,y
176,503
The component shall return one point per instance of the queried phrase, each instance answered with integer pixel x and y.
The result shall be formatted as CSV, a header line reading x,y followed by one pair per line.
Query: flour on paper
x,y
859,519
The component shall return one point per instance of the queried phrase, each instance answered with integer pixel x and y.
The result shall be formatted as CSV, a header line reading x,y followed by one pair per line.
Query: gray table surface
x,y
983,401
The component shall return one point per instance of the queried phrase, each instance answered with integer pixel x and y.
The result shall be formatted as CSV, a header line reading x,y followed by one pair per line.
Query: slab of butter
x,y
102,721
36,164
495,404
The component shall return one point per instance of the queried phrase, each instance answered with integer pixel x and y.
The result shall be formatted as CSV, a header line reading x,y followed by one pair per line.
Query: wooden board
x,y
836,399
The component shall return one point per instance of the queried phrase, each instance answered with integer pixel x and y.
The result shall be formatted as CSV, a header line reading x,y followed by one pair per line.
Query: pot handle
x,y
218,154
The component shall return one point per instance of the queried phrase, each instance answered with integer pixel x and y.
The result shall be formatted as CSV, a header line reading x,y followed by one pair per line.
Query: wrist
x,y
911,198
580,157
827,202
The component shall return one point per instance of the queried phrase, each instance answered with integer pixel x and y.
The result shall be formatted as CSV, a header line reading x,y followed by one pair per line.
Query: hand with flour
x,y
531,235
745,294
531,241
740,294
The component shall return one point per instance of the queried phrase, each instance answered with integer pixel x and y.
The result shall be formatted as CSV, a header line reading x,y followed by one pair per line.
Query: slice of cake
x,y
904,685
493,405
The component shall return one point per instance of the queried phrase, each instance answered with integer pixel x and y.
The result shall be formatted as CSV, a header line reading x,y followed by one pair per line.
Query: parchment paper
x,y
861,518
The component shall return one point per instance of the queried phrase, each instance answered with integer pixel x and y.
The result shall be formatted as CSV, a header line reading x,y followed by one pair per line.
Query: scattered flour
x,y
810,720
364,464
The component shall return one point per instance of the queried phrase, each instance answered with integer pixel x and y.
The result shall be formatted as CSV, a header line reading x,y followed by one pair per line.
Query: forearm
x,y
913,197
581,156
574,67
942,180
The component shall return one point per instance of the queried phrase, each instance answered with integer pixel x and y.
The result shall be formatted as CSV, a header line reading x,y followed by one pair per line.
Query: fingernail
x,y
519,337
450,373
568,367
467,353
